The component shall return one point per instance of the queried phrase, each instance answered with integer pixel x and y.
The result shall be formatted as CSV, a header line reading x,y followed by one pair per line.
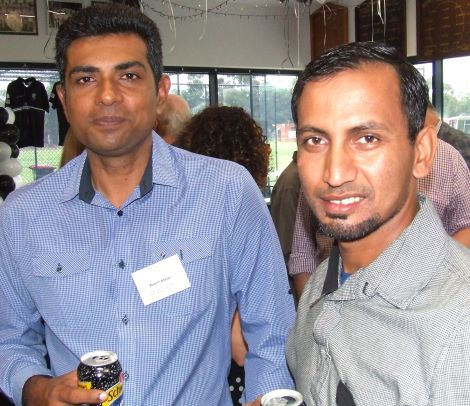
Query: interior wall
x,y
227,41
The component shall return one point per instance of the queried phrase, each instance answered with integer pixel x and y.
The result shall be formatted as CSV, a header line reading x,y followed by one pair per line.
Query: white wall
x,y
235,42
411,45
228,42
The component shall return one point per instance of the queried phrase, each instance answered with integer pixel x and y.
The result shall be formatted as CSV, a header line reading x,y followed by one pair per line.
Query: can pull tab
x,y
282,397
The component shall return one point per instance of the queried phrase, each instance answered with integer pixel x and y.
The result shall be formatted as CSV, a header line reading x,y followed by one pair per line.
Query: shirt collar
x,y
161,169
406,266
86,192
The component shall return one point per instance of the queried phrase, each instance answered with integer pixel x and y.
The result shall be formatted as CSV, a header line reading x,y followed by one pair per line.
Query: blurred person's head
x,y
72,148
432,117
229,133
173,117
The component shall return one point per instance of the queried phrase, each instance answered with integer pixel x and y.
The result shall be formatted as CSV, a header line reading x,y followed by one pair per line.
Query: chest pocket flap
x,y
187,250
63,264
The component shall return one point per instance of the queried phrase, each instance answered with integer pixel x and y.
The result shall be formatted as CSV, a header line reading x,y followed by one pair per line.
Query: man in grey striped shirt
x,y
387,320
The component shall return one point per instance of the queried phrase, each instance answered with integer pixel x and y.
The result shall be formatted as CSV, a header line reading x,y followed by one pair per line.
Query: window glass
x,y
457,92
271,108
193,87
426,70
267,99
31,157
234,90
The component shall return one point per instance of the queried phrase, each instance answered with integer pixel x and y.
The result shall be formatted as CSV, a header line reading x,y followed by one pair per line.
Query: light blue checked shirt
x,y
66,258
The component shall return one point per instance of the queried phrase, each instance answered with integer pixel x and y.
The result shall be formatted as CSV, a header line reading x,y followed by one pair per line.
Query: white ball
x,y
11,167
5,151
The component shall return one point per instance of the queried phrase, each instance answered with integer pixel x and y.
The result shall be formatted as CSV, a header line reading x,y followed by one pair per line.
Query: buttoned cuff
x,y
301,263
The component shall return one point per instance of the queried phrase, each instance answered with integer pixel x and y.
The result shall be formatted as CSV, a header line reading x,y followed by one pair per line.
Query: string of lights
x,y
196,13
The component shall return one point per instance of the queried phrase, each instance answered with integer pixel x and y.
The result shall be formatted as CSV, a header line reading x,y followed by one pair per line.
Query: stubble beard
x,y
339,230
348,233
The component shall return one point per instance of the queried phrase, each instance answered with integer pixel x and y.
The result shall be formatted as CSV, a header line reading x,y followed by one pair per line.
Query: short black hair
x,y
413,88
109,19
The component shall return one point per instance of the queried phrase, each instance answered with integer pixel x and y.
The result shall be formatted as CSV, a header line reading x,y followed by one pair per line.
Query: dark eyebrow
x,y
369,125
130,64
94,69
309,128
83,69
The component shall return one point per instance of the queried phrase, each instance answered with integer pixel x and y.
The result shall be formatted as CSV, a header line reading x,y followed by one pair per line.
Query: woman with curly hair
x,y
230,133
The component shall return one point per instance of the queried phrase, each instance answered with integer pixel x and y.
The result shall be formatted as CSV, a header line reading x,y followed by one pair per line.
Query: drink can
x,y
282,397
102,370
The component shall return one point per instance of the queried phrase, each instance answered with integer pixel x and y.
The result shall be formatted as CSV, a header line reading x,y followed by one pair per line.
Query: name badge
x,y
160,280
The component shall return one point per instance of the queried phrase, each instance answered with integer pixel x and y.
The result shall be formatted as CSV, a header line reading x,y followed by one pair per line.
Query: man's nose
x,y
340,166
108,92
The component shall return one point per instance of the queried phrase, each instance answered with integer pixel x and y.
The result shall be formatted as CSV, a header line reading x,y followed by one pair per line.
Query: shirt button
x,y
125,319
120,213
121,264
125,375
59,268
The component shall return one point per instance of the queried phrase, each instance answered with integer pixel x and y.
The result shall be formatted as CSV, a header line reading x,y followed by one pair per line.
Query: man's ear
x,y
162,92
61,93
425,149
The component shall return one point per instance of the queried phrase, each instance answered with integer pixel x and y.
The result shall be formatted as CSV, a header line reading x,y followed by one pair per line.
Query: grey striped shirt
x,y
397,332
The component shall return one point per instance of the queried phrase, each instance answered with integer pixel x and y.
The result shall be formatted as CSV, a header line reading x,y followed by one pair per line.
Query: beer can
x,y
102,370
282,397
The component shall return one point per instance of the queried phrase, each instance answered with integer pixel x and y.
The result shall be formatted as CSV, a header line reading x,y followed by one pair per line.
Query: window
x,y
193,87
271,108
234,90
267,98
426,69
457,92
32,157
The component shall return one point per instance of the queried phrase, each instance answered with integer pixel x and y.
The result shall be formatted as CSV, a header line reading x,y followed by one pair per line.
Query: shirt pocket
x,y
63,286
61,265
196,256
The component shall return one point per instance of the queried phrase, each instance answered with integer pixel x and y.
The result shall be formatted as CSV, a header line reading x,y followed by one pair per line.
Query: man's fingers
x,y
66,390
77,396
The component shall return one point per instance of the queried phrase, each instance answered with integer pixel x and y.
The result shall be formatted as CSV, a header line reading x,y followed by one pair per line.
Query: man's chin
x,y
342,232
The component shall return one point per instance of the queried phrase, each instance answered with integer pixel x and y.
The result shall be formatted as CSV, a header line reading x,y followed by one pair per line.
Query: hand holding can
x,y
102,370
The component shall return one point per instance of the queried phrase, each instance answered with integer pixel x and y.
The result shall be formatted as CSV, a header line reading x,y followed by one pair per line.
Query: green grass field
x,y
47,156
282,156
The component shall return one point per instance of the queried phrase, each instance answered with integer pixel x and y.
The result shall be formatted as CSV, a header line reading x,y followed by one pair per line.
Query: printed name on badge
x,y
160,280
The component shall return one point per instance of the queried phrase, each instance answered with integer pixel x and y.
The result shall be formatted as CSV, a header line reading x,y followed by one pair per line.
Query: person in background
x,y
386,321
172,119
458,139
135,246
447,186
230,133
284,201
71,148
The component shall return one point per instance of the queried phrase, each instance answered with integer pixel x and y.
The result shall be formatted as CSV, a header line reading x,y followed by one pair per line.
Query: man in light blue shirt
x,y
135,246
